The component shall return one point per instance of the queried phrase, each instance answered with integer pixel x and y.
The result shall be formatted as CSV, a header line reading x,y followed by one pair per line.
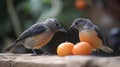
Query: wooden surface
x,y
26,60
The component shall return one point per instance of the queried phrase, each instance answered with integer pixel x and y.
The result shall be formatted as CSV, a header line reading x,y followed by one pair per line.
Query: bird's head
x,y
81,23
54,25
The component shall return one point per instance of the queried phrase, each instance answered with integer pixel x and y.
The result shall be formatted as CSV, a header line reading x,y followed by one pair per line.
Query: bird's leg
x,y
34,52
45,52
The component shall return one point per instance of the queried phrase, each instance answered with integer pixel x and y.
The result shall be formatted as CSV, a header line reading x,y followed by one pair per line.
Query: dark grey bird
x,y
38,34
88,32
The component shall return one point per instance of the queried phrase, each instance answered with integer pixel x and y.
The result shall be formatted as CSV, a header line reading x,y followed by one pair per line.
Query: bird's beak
x,y
62,29
71,27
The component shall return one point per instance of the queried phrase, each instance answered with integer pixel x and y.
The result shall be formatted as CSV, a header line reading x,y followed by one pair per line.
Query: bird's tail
x,y
8,49
106,49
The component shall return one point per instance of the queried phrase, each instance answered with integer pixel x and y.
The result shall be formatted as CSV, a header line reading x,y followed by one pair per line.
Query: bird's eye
x,y
57,24
76,23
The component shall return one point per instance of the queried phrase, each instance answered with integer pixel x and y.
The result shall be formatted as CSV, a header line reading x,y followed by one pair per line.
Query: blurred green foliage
x,y
29,12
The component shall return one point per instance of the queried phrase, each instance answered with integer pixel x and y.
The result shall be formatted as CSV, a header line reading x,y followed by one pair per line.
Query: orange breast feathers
x,y
91,37
42,39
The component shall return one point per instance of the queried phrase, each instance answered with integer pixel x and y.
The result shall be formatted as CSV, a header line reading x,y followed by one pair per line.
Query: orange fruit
x,y
82,48
65,49
80,4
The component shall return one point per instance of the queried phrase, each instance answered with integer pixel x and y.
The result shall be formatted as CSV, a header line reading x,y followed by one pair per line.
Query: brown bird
x,y
88,32
38,34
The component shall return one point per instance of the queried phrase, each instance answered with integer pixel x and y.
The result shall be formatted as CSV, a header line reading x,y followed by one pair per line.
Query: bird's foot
x,y
48,54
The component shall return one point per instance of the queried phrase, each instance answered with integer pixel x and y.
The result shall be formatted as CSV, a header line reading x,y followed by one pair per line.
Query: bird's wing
x,y
100,35
33,30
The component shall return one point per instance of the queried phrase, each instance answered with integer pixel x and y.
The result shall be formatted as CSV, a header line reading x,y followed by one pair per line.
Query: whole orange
x,y
65,49
82,48
80,4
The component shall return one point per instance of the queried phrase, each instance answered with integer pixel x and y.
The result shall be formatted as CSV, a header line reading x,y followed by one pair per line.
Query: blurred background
x,y
18,15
